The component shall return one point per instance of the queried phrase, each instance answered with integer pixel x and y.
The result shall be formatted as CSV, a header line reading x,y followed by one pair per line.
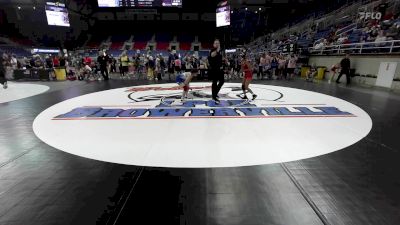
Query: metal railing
x,y
383,47
346,29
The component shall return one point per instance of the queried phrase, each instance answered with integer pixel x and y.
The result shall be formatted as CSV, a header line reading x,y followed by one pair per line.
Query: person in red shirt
x,y
247,69
88,61
56,61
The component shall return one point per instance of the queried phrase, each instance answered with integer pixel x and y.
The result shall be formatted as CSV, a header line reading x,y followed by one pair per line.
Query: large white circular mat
x,y
16,91
150,126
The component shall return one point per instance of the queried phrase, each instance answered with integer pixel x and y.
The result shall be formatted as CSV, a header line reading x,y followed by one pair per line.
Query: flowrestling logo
x,y
151,126
165,103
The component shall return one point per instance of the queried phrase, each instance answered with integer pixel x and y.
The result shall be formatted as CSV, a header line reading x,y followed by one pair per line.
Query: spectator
x,y
393,32
3,80
320,45
292,61
150,68
14,62
262,63
63,62
342,39
162,67
281,67
56,62
380,38
170,63
124,64
49,62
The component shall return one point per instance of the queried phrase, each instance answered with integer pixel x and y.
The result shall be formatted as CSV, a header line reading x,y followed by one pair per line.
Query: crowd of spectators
x,y
361,30
373,30
266,65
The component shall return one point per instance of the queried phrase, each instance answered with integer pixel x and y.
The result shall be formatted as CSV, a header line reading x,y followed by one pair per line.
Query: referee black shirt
x,y
216,61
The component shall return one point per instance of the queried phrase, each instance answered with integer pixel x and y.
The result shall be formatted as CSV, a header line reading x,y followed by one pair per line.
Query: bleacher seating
x,y
162,45
95,42
162,41
185,38
355,36
120,38
321,34
19,51
163,37
23,41
144,37
117,45
140,45
185,46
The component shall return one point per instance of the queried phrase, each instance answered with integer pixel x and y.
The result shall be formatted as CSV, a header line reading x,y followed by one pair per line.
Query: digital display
x,y
223,16
140,3
57,14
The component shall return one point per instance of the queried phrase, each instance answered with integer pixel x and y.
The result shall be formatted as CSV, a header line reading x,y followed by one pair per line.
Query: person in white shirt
x,y
380,38
14,62
291,66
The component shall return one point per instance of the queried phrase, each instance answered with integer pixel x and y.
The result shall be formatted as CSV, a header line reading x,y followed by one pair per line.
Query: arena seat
x,y
139,45
162,45
23,41
163,37
142,37
115,53
120,38
185,38
206,45
117,45
185,46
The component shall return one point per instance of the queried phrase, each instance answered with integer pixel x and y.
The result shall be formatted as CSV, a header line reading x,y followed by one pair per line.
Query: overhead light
x,y
256,11
259,9
246,9
19,7
232,11
34,7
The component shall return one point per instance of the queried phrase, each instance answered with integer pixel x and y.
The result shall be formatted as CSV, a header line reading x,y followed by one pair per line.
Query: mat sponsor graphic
x,y
151,126
167,105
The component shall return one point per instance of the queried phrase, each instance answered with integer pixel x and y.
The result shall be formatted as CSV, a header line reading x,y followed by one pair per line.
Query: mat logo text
x,y
202,109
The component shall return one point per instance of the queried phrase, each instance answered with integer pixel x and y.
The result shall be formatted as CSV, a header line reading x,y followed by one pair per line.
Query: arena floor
x,y
359,184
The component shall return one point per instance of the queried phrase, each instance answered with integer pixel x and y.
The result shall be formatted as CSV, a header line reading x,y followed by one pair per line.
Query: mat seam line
x,y
310,202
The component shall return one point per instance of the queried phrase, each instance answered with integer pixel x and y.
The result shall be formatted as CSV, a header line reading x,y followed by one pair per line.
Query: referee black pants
x,y
104,72
347,73
218,81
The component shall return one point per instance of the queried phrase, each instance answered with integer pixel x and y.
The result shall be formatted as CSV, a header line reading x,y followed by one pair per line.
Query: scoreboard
x,y
140,3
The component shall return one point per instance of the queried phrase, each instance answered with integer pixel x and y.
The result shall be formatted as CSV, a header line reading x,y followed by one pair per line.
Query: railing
x,y
346,29
383,47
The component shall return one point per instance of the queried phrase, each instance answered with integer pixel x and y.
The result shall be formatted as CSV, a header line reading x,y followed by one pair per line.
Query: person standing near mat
x,y
216,72
103,60
3,80
345,69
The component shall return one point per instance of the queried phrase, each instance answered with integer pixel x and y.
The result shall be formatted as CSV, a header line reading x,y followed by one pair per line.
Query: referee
x,y
216,71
